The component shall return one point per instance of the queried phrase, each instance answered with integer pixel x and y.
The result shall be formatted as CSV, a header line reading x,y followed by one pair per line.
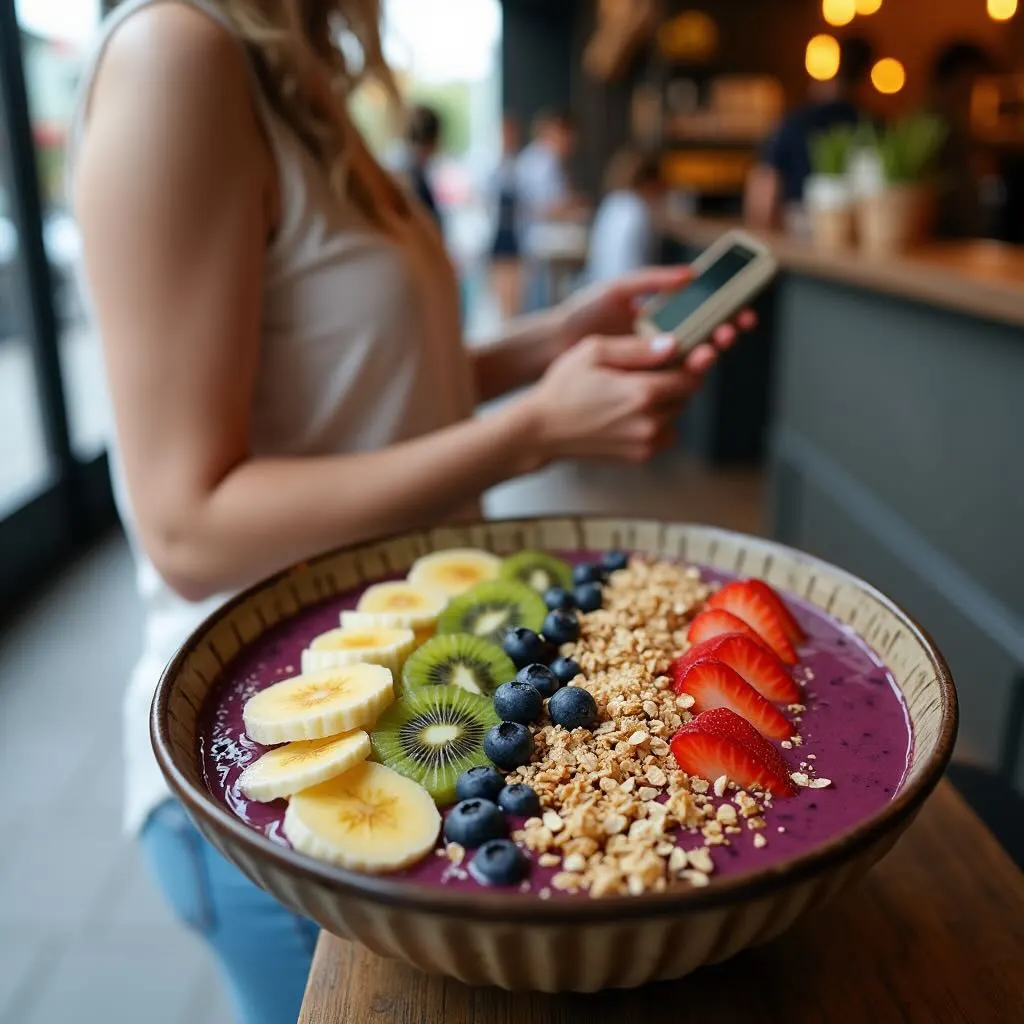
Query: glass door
x,y
54,491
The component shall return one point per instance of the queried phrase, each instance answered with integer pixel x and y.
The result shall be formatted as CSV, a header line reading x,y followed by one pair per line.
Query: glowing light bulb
x,y
822,58
839,12
1002,10
888,75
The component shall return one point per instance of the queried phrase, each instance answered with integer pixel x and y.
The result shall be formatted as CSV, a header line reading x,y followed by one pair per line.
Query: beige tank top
x,y
360,347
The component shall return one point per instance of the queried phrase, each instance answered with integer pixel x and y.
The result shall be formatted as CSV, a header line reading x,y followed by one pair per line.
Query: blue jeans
x,y
264,951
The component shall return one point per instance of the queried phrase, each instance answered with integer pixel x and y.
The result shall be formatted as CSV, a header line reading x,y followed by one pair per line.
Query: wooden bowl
x,y
560,945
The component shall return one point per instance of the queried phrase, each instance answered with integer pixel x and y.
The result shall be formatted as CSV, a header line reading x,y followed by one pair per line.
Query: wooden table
x,y
934,934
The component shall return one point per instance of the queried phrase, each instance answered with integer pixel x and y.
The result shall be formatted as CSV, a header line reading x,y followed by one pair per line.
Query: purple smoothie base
x,y
855,724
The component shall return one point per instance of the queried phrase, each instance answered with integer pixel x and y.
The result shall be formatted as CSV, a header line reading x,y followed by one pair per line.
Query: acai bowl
x,y
558,754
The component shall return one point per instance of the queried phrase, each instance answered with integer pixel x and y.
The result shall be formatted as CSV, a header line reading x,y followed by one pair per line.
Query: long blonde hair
x,y
310,56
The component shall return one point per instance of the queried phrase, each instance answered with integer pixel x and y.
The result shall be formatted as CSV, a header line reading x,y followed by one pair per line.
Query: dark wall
x,y
537,56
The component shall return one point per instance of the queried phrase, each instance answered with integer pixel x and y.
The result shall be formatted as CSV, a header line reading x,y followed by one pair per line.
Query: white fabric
x,y
360,348
541,183
622,238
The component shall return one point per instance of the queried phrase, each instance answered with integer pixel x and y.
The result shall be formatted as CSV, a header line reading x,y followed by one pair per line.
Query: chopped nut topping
x,y
819,783
700,860
695,878
552,821
677,860
760,841
726,814
454,853
575,862
720,785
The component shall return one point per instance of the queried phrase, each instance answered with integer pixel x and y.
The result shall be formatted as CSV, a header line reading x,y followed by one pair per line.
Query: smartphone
x,y
727,276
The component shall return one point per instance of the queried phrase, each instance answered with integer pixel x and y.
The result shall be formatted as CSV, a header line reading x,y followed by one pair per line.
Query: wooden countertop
x,y
981,278
933,935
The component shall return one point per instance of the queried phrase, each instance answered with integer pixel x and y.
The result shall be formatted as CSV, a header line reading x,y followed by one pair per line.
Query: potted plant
x,y
828,199
898,214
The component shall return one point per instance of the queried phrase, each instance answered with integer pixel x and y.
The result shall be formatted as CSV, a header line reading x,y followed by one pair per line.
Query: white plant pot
x,y
828,200
866,175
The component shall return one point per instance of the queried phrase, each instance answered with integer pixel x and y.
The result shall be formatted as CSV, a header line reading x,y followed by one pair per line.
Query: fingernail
x,y
662,343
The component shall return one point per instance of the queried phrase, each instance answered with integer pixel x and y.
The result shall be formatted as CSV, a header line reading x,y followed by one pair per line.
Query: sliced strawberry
x,y
794,631
713,684
715,622
755,663
749,605
720,742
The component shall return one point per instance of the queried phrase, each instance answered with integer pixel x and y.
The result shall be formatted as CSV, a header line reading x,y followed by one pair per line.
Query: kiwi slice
x,y
433,735
492,608
459,659
538,570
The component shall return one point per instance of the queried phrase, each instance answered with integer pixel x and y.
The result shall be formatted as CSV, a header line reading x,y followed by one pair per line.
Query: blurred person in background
x,y
776,182
281,335
961,166
624,236
544,194
423,140
506,254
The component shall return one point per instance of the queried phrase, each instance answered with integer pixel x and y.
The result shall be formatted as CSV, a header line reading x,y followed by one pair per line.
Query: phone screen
x,y
690,299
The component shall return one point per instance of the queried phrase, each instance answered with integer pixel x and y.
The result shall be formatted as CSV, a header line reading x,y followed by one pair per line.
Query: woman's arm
x,y
173,189
526,347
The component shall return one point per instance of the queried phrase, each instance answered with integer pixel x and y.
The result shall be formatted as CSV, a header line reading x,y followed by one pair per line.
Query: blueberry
x,y
541,678
586,574
508,745
519,800
479,783
573,708
499,862
523,646
473,822
518,702
613,561
561,627
559,597
589,597
549,654
565,670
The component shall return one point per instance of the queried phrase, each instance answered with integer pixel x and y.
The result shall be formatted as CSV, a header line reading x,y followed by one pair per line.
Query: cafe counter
x,y
887,398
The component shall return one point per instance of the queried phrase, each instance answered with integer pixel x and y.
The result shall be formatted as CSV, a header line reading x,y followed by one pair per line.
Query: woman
x,y
624,236
506,258
281,334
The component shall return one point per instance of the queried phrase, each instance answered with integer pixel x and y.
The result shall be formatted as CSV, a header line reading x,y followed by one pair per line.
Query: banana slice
x,y
397,606
375,646
311,707
296,766
455,571
369,819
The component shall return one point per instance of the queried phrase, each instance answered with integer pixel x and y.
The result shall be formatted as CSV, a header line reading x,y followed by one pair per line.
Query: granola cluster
x,y
613,797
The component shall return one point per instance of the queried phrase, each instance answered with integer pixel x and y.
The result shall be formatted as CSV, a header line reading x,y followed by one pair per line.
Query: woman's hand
x,y
614,398
611,308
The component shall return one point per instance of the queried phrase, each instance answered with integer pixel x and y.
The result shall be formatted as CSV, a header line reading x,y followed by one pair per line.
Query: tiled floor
x,y
84,939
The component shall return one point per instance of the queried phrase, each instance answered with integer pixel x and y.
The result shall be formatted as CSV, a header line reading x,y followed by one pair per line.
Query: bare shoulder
x,y
173,62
